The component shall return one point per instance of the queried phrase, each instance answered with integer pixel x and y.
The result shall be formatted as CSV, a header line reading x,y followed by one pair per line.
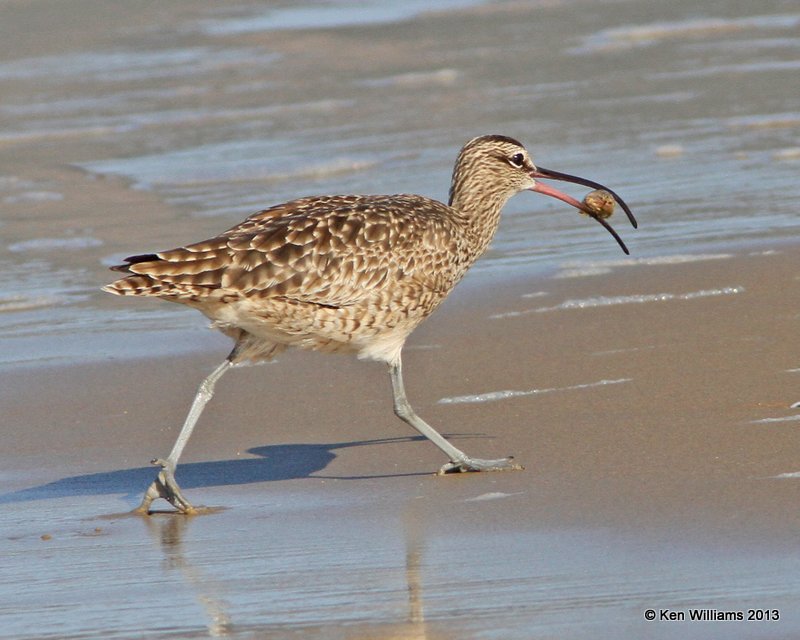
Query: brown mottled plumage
x,y
340,273
337,273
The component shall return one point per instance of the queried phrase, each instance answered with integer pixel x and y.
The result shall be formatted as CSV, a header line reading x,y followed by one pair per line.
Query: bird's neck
x,y
480,214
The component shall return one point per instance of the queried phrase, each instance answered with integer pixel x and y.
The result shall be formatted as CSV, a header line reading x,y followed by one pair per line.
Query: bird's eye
x,y
517,160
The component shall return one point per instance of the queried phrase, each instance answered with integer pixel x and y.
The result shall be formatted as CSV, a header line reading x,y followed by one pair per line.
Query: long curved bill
x,y
547,190
541,172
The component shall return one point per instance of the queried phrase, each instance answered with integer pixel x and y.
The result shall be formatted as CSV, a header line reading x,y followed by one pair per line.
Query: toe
x,y
476,464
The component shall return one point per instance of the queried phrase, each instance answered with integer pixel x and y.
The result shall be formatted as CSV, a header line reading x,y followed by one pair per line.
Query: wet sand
x,y
650,402
653,415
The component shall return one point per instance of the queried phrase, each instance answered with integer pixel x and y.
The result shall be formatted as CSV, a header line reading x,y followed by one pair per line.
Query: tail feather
x,y
144,285
139,285
126,268
150,274
135,284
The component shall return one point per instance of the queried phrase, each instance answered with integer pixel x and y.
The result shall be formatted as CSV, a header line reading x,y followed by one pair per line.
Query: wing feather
x,y
330,251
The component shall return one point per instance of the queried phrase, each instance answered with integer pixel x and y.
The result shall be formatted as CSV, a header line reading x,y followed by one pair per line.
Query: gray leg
x,y
459,461
165,486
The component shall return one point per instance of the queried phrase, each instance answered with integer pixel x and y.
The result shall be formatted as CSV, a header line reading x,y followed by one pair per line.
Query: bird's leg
x,y
165,485
459,461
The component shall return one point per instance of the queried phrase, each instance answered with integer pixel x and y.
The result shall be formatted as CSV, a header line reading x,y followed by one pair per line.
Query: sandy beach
x,y
651,399
651,409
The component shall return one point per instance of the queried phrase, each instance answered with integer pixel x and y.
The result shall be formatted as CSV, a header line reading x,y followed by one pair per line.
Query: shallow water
x,y
196,115
396,572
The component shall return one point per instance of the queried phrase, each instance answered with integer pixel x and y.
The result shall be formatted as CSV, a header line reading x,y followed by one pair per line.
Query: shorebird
x,y
348,273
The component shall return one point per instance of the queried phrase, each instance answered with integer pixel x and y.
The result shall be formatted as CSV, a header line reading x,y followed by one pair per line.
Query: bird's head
x,y
498,167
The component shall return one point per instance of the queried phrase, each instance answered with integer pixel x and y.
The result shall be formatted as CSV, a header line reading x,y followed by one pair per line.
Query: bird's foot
x,y
476,464
165,486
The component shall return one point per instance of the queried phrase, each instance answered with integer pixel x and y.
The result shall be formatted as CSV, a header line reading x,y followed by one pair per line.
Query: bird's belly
x,y
373,333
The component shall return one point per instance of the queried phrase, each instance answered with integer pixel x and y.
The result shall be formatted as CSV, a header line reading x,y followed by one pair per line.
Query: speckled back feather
x,y
335,272
333,250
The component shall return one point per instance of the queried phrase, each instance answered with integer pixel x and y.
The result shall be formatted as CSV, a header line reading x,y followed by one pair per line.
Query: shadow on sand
x,y
274,462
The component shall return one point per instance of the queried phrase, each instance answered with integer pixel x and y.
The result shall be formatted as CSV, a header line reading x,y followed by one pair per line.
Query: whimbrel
x,y
347,273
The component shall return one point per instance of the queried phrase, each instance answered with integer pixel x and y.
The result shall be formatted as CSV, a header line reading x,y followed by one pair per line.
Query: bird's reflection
x,y
169,531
